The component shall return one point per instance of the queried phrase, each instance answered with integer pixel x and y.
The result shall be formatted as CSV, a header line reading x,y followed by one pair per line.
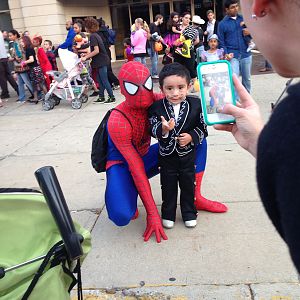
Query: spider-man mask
x,y
136,85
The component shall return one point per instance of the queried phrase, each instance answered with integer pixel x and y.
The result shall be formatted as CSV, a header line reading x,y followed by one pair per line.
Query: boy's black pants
x,y
176,169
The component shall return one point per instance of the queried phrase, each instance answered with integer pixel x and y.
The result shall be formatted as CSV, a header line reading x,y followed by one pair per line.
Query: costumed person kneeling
x,y
131,160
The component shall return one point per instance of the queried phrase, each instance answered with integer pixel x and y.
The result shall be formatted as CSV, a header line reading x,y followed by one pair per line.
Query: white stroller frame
x,y
61,88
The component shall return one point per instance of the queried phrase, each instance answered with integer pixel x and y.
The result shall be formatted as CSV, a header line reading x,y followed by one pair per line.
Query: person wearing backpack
x,y
108,37
100,61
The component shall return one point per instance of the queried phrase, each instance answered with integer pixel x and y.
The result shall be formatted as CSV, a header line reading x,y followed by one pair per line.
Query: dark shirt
x,y
30,52
231,38
278,170
101,59
52,60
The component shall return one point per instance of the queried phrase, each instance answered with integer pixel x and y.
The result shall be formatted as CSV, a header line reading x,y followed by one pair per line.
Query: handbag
x,y
185,48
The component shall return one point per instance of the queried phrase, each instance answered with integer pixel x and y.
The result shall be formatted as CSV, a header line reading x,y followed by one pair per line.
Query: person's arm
x,y
95,44
248,121
28,61
203,56
159,126
135,38
199,133
123,142
69,40
174,29
221,36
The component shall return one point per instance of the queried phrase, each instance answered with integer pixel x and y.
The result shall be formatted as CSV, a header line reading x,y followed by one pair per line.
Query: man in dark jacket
x,y
103,32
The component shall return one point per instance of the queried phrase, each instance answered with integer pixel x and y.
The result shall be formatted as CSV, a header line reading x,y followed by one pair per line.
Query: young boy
x,y
50,54
177,122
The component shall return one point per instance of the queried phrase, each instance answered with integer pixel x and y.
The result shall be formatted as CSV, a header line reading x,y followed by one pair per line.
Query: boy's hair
x,y
174,69
49,42
158,17
227,3
127,41
209,12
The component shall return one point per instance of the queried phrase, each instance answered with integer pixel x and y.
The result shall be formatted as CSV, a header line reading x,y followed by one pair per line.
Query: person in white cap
x,y
197,22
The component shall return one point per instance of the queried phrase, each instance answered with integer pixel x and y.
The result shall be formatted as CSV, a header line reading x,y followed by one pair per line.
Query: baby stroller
x,y
28,230
72,84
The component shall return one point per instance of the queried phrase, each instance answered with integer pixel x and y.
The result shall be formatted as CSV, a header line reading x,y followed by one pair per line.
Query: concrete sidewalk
x,y
237,255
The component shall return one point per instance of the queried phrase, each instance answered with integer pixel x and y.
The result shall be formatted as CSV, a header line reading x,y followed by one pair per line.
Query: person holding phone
x,y
277,144
177,122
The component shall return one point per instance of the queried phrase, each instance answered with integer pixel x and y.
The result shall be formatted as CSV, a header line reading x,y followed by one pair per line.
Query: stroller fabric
x,y
27,231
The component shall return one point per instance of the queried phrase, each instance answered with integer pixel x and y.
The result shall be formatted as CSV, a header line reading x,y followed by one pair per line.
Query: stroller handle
x,y
55,199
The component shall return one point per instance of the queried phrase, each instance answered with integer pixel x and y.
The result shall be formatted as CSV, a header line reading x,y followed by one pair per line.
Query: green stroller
x,y
39,251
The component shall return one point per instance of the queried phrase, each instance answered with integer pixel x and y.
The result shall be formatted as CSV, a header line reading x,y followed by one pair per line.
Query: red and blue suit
x,y
132,161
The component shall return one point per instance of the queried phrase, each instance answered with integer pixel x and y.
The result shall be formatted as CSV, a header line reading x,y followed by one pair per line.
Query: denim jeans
x,y
23,78
154,60
141,60
242,66
103,82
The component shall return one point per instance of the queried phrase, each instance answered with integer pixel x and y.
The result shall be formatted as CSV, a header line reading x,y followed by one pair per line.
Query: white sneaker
x,y
155,77
168,224
190,224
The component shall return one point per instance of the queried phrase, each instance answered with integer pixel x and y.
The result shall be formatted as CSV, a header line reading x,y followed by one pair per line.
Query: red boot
x,y
202,203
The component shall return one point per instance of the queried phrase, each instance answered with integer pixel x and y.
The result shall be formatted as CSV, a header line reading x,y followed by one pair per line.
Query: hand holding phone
x,y
216,90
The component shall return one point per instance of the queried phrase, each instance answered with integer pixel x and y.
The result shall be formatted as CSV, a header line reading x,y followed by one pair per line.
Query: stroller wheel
x,y
55,99
84,98
76,103
46,105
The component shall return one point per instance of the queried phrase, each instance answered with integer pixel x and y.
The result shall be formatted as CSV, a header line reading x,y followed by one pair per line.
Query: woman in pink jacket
x,y
139,40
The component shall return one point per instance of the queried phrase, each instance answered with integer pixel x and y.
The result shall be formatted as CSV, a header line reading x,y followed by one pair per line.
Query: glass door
x,y
182,6
140,11
120,23
164,10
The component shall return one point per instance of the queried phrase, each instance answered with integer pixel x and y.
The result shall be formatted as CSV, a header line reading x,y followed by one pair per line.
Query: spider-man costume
x,y
131,159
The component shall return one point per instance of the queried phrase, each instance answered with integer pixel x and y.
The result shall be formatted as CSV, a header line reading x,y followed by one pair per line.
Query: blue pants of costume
x,y
121,193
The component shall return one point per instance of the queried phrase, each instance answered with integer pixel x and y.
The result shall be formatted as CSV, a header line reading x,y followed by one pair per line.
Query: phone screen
x,y
216,91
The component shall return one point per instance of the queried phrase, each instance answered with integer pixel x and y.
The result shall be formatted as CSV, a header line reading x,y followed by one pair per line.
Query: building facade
x,y
48,17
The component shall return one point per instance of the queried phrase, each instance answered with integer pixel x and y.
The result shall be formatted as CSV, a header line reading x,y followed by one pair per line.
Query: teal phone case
x,y
202,91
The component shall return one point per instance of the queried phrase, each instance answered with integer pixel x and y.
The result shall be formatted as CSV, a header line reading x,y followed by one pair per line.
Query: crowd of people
x,y
26,60
187,40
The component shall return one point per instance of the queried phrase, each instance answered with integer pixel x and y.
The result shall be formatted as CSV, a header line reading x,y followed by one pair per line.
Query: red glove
x,y
154,226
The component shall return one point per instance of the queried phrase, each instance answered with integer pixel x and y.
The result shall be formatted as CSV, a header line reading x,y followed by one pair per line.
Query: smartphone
x,y
216,89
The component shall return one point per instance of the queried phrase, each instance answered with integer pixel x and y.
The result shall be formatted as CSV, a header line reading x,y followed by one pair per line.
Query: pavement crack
x,y
252,294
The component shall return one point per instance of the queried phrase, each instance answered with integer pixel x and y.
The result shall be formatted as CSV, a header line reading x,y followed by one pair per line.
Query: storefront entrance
x,y
124,14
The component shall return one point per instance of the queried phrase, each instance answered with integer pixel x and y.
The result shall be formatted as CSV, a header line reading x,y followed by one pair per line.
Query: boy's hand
x,y
184,139
167,125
